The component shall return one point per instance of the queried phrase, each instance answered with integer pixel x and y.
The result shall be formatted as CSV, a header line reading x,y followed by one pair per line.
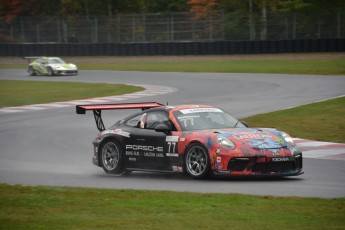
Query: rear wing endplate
x,y
97,109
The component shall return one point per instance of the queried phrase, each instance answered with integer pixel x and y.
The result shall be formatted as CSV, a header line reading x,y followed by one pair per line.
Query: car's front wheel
x,y
50,71
31,71
197,161
111,157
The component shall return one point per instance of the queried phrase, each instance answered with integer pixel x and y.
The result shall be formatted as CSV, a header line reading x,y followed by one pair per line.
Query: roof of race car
x,y
33,59
183,107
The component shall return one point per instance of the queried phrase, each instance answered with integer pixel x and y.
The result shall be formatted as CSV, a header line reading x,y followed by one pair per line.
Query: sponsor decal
x,y
144,148
223,171
187,117
278,159
172,154
201,110
132,153
117,132
121,133
132,159
182,139
219,159
219,165
177,168
252,136
171,139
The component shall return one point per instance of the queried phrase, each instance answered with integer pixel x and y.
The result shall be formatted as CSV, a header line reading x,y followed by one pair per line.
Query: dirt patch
x,y
191,58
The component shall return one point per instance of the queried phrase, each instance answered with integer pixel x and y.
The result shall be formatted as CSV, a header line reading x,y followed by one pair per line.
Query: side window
x,y
155,118
134,121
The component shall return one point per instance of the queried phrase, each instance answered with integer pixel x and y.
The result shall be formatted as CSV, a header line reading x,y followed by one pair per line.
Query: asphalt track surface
x,y
53,146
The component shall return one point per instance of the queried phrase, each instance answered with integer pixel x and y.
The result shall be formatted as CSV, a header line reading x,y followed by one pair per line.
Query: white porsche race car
x,y
50,66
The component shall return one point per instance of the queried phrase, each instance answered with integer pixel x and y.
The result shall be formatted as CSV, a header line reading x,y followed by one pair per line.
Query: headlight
x,y
225,142
287,138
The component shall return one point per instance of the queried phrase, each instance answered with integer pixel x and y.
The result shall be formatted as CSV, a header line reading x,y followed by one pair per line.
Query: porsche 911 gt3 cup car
x,y
197,139
50,66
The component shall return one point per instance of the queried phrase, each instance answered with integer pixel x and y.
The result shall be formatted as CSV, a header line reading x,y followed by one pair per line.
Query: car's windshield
x,y
55,61
205,118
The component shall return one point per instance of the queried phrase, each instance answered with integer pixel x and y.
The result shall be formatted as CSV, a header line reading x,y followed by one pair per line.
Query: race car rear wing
x,y
30,58
97,109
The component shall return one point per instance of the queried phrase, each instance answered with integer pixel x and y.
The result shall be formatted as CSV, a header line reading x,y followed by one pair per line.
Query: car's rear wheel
x,y
31,71
197,161
50,71
111,157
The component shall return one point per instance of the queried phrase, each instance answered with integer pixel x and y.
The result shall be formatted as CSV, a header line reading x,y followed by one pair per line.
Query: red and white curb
x,y
321,150
150,90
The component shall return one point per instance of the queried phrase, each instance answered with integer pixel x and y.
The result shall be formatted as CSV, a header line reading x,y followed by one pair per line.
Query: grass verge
x,y
73,208
17,93
302,66
322,121
323,66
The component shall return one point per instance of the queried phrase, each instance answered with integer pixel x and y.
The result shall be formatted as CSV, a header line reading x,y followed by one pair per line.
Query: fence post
x,y
294,26
211,28
22,30
286,29
251,23
38,33
338,23
223,26
58,28
133,29
96,30
172,28
118,29
64,31
144,27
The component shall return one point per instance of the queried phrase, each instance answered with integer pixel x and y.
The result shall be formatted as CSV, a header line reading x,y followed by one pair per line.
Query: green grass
x,y
327,66
302,66
16,93
73,208
322,121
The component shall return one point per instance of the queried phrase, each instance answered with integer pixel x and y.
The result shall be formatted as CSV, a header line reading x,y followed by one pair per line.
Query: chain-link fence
x,y
175,27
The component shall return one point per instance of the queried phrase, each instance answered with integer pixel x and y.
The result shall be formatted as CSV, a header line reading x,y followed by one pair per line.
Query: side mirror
x,y
162,128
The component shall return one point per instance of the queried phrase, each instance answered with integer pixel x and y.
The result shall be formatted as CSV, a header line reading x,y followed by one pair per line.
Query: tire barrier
x,y
173,48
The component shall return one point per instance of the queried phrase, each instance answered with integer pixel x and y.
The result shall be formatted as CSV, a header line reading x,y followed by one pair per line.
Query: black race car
x,y
197,139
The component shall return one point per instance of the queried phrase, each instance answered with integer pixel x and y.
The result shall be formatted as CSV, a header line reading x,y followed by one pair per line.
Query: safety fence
x,y
173,48
176,27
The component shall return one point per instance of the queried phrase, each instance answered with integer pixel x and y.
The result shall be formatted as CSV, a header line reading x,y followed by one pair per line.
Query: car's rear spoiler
x,y
30,58
97,109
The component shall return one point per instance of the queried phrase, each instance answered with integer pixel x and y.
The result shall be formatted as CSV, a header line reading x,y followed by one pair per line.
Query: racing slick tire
x,y
50,71
111,158
31,71
197,161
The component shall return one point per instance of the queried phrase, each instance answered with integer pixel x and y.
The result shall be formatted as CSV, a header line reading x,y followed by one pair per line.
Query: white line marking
x,y
149,91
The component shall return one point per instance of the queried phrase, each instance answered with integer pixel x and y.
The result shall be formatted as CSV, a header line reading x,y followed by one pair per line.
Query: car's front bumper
x,y
65,72
263,166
